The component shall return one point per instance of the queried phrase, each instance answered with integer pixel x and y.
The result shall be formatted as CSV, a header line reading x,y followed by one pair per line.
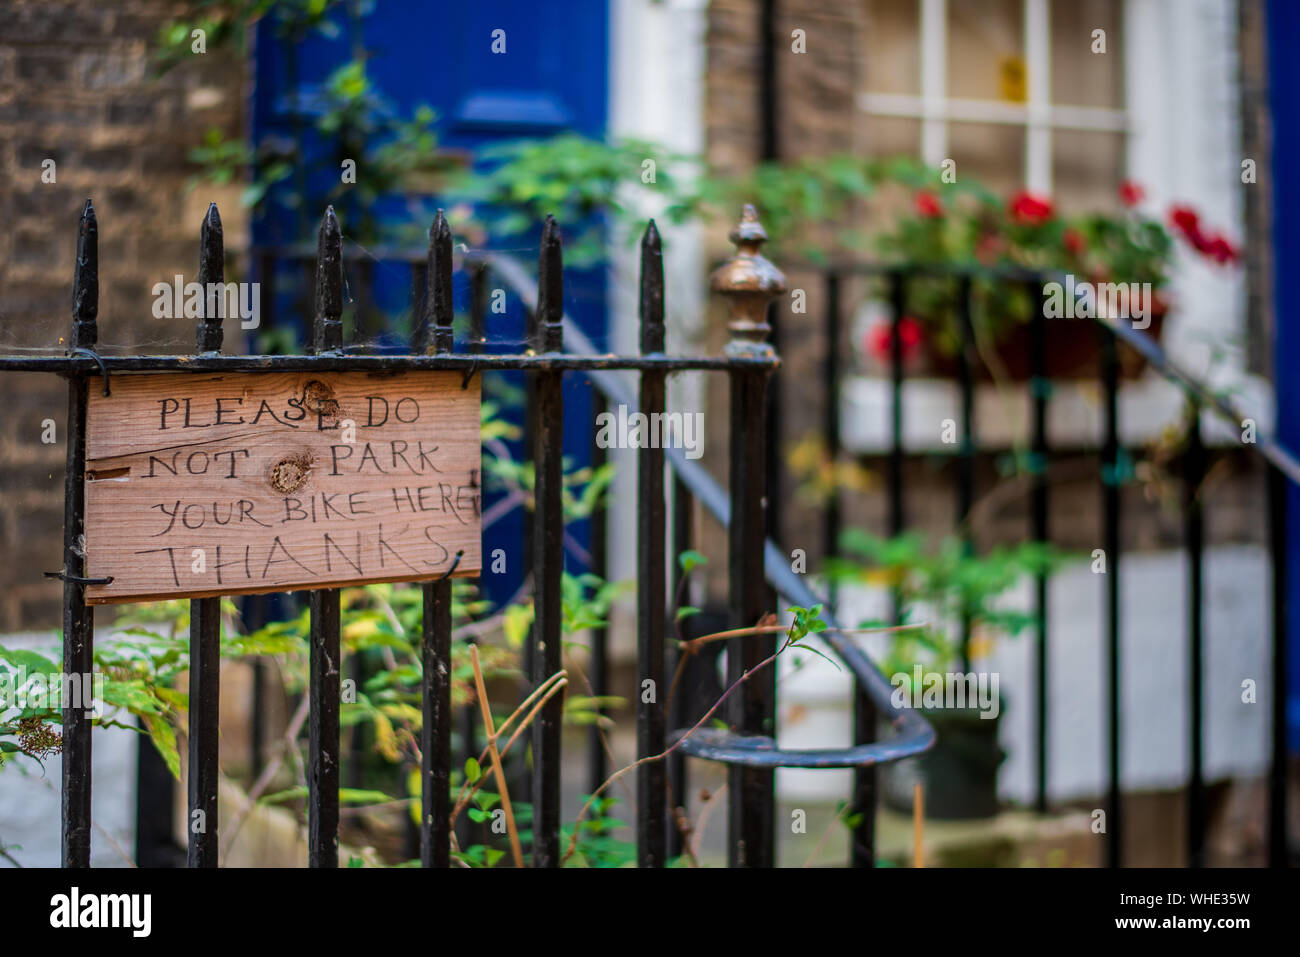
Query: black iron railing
x,y
748,281
1279,467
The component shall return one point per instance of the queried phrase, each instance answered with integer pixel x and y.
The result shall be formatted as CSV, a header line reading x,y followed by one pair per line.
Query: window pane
x,y
893,47
990,153
1081,77
986,50
1087,168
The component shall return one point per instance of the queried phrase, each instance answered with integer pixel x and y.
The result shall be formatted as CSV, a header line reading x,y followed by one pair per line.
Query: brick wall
x,y
76,87
815,117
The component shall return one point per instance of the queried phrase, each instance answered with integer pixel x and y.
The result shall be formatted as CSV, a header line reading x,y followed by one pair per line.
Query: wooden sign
x,y
236,483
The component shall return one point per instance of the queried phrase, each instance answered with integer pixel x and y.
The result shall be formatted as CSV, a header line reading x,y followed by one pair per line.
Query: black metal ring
x,y
78,580
100,360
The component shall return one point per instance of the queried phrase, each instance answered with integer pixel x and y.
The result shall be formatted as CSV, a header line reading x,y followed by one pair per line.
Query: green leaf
x,y
472,770
34,663
515,623
163,736
690,559
363,796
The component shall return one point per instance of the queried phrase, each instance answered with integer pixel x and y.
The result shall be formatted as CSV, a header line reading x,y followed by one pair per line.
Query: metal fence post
x,y
78,617
547,545
1040,390
651,782
1110,484
325,666
202,742
435,732
749,282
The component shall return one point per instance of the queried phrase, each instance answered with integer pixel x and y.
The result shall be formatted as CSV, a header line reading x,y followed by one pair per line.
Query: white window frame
x,y
1038,116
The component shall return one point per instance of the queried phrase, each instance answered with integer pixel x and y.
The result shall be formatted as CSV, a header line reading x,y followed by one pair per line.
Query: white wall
x,y
657,94
30,798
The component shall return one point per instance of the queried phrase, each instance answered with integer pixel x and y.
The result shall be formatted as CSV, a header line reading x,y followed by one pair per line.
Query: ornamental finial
x,y
749,282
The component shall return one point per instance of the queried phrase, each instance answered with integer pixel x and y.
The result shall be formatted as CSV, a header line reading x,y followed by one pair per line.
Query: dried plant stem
x,y
691,646
486,709
577,825
545,690
825,834
702,821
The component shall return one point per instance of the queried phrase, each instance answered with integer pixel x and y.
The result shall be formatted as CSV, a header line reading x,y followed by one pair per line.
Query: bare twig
x,y
577,825
556,682
825,834
683,825
702,821
486,709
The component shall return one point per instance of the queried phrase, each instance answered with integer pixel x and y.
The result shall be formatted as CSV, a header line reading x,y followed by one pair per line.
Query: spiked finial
x,y
438,313
327,329
85,282
749,282
548,323
212,273
652,291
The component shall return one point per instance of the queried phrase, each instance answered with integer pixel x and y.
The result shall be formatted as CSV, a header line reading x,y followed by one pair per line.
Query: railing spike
x,y
652,291
212,269
85,283
327,330
548,324
438,312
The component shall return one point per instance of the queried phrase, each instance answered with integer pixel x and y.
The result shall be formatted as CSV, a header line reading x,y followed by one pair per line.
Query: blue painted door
x,y
492,72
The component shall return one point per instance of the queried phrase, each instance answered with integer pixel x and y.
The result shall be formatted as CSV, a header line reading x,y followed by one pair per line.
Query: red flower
x,y
1130,193
1219,249
928,205
1211,245
880,340
1074,241
1187,221
1029,209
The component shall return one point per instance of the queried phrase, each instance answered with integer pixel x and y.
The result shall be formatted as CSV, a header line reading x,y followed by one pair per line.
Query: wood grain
x,y
204,484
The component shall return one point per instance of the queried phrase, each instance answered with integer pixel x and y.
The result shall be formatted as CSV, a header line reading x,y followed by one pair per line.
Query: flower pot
x,y
960,772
